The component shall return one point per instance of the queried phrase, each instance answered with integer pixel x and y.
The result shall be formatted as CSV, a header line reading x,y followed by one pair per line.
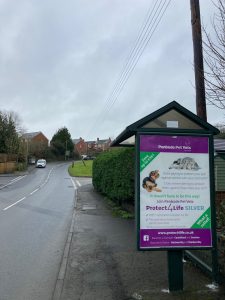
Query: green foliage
x,y
62,142
220,215
113,174
117,211
21,166
9,140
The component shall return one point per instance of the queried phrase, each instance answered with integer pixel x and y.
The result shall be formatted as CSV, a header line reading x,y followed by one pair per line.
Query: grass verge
x,y
81,169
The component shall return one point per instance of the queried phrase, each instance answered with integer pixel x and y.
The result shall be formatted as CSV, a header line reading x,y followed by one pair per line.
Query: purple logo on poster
x,y
182,144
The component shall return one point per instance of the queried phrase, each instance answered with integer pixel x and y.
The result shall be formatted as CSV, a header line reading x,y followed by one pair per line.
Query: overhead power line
x,y
154,16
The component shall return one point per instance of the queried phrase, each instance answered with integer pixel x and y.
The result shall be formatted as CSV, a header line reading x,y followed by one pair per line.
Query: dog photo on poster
x,y
174,192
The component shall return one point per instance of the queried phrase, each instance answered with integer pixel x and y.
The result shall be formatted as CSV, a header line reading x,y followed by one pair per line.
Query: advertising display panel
x,y
174,193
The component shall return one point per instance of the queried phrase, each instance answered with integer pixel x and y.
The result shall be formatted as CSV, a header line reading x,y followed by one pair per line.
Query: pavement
x,y
101,262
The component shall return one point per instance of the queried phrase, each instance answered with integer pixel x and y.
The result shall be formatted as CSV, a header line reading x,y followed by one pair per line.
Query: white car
x,y
41,163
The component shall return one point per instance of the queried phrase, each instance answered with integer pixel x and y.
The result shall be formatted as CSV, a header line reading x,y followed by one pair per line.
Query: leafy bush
x,y
113,174
21,166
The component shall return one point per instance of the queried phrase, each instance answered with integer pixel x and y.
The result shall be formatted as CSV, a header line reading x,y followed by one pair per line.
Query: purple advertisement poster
x,y
174,192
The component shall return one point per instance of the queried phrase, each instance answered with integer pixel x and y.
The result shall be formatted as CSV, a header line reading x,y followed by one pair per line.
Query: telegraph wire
x,y
130,71
131,55
124,69
136,49
146,32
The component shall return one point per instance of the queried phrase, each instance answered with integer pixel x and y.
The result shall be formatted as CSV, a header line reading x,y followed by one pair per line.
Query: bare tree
x,y
221,127
214,50
16,119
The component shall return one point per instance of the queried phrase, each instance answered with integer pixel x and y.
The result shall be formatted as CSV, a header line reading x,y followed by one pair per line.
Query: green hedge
x,y
113,175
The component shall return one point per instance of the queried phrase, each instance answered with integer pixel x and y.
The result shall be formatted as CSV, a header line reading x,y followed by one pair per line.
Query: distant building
x,y
35,144
103,145
36,137
80,146
91,147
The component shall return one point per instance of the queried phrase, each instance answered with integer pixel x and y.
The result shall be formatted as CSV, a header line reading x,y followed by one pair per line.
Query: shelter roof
x,y
171,117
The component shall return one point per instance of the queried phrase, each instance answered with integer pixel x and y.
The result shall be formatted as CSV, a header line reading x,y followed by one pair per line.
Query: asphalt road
x,y
35,216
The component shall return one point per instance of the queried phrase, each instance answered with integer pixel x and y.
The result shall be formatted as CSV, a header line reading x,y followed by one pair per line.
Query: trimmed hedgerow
x,y
113,175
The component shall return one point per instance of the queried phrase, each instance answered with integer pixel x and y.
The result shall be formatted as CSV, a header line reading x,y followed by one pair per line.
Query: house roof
x,y
98,141
30,135
102,141
76,141
171,116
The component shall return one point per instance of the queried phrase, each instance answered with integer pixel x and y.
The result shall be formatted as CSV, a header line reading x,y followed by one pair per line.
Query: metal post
x,y
215,266
175,270
214,252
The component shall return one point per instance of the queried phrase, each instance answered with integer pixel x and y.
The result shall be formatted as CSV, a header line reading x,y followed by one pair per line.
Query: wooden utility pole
x,y
200,97
198,60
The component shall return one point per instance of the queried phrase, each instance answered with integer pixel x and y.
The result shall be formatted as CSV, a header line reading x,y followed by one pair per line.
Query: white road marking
x,y
14,203
73,184
75,192
34,191
12,181
20,177
15,179
78,183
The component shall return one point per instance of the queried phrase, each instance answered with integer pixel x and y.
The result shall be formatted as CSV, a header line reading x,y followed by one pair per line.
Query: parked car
x,y
32,160
89,157
41,163
84,156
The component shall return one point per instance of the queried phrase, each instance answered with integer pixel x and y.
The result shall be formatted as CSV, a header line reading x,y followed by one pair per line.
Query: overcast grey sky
x,y
59,61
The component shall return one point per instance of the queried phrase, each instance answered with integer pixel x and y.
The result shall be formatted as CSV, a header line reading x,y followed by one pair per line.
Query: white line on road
x,y
12,181
34,191
73,184
20,177
14,203
47,179
78,182
15,179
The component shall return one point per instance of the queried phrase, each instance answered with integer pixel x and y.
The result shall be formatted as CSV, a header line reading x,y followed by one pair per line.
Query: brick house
x,y
36,137
103,145
80,146
36,143
98,145
90,147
